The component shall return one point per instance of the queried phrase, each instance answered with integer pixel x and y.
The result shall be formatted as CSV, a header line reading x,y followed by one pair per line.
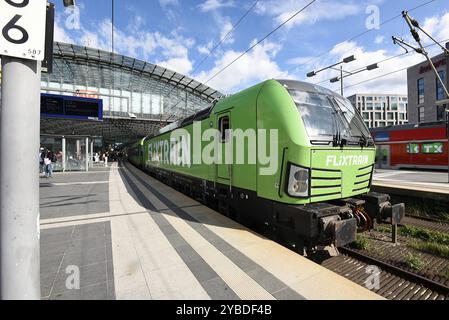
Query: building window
x,y
401,116
420,114
369,106
378,106
440,90
420,90
382,124
367,124
378,116
366,115
390,116
369,98
441,113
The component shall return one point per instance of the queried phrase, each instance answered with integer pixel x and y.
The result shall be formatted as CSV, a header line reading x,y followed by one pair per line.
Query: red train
x,y
423,146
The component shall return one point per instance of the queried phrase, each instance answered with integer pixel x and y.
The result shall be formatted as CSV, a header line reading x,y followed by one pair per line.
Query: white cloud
x,y
182,65
165,3
320,10
171,51
211,5
226,32
257,65
204,50
60,35
379,39
437,26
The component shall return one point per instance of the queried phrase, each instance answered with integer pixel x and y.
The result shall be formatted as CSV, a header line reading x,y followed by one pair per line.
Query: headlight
x,y
298,181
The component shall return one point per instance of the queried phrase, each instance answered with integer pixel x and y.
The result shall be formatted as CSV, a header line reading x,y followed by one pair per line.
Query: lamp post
x,y
345,60
343,74
348,74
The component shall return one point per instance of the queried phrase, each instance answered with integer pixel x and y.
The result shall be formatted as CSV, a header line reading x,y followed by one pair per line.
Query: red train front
x,y
423,146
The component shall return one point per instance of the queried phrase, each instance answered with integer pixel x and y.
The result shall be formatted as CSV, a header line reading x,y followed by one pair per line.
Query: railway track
x,y
427,223
394,283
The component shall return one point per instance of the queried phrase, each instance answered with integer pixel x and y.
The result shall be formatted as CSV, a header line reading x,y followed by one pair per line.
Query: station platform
x,y
132,237
428,184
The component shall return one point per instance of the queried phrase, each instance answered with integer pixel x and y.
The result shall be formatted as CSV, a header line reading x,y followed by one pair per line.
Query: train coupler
x,y
378,206
342,232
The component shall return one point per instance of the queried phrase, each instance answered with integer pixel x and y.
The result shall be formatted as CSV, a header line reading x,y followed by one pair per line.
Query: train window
x,y
224,125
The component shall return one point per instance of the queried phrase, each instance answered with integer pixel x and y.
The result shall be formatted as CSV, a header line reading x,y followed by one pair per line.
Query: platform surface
x,y
132,237
425,181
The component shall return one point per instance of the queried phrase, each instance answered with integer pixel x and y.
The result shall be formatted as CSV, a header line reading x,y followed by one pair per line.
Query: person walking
x,y
106,159
41,161
49,164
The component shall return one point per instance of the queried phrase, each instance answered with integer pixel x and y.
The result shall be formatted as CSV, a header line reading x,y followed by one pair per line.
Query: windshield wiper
x,y
338,141
336,134
363,138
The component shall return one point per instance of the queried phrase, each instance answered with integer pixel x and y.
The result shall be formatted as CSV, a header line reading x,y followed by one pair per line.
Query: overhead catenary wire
x,y
260,41
257,43
378,77
219,43
216,46
387,59
366,32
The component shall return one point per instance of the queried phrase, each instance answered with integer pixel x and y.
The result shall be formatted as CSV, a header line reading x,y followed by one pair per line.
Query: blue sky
x,y
179,34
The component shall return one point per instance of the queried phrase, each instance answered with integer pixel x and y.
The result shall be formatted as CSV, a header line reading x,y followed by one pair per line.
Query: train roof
x,y
410,126
307,87
205,113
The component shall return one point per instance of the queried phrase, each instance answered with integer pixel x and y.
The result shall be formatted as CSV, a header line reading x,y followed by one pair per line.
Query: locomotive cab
x,y
329,170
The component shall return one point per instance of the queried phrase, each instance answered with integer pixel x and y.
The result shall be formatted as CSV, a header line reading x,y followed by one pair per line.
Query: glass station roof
x,y
139,97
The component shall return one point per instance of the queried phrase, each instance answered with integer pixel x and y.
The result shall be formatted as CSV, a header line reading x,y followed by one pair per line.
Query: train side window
x,y
224,126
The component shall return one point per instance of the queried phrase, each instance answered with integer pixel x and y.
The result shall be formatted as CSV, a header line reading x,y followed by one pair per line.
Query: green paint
x,y
266,106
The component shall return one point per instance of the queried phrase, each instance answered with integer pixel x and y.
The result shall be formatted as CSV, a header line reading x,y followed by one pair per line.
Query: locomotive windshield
x,y
327,115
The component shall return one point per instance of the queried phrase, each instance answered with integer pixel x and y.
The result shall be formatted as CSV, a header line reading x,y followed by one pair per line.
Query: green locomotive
x,y
289,159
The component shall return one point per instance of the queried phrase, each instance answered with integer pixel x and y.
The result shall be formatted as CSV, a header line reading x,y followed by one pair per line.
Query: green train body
x,y
306,157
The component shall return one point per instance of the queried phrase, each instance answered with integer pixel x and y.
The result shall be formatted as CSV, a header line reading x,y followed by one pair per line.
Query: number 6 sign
x,y
22,28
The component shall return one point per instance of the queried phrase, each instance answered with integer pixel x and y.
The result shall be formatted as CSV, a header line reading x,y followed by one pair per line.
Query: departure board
x,y
58,106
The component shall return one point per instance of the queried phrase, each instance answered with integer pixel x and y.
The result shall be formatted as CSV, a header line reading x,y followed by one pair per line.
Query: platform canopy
x,y
139,97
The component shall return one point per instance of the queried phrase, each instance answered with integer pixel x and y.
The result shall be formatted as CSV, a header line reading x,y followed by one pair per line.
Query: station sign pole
x,y
22,39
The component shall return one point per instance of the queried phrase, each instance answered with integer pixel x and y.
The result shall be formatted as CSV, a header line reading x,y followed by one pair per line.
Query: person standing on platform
x,y
106,159
49,164
41,161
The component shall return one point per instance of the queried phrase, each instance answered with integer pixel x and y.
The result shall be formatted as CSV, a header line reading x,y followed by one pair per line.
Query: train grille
x,y
325,183
362,181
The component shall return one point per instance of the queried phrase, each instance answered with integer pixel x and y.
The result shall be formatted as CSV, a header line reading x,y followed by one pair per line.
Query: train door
x,y
224,166
383,156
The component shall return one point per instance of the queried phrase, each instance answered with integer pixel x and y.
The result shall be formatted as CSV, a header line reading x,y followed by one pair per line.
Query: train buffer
x,y
117,233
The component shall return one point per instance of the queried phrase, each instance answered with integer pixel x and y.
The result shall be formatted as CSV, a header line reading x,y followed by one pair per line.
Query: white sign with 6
x,y
22,28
